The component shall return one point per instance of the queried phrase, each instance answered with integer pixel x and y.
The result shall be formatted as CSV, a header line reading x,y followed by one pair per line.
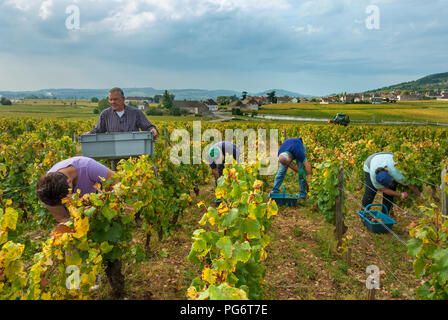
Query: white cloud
x,y
45,9
316,7
136,15
23,5
308,29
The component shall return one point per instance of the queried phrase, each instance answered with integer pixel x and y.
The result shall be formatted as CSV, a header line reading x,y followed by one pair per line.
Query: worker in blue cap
x,y
381,174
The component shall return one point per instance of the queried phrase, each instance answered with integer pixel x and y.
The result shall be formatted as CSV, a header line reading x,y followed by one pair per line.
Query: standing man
x,y
122,118
381,174
216,157
293,149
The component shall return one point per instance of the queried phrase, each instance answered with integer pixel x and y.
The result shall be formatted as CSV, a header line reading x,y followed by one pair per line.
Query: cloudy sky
x,y
312,47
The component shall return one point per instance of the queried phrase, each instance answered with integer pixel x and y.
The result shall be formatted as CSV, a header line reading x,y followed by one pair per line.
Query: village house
x,y
348,98
258,100
261,100
211,104
443,95
142,102
376,100
283,99
250,103
193,107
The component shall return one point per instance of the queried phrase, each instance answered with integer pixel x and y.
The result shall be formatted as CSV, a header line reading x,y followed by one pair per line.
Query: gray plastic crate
x,y
117,145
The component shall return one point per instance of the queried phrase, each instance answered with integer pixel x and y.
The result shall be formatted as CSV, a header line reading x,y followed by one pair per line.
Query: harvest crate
x,y
376,227
117,145
285,199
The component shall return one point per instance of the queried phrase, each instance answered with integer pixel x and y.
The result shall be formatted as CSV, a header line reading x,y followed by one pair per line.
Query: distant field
x,y
47,111
59,102
40,110
419,111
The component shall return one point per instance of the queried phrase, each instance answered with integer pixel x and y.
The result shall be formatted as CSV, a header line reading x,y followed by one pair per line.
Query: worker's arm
x,y
100,126
308,168
60,213
110,174
393,193
293,167
215,174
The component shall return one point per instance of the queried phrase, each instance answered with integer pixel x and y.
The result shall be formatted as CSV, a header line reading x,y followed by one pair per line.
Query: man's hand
x,y
154,133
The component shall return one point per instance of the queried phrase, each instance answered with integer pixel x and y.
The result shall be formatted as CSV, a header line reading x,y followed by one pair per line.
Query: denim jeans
x,y
281,176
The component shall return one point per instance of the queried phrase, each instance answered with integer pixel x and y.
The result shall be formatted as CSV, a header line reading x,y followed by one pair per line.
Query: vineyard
x,y
186,247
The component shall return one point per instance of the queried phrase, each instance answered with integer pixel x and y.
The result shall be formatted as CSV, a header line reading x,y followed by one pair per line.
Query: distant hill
x,y
432,82
282,93
180,94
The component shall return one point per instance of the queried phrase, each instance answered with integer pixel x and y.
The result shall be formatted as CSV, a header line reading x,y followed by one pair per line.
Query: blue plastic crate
x,y
117,145
285,199
376,227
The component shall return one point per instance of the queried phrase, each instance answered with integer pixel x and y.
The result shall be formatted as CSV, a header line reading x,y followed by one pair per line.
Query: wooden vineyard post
x,y
371,294
165,134
348,256
284,133
444,195
339,219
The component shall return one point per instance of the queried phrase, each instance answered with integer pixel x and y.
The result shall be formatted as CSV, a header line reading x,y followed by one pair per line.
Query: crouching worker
x,y
293,149
381,174
77,173
216,157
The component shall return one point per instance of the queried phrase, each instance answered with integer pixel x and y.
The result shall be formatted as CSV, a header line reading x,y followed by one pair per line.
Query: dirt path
x,y
303,261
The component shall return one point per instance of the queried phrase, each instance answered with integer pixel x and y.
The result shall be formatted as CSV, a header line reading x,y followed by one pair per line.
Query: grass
x,y
420,111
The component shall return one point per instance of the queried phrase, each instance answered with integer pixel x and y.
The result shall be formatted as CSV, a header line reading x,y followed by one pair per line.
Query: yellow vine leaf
x,y
209,275
10,219
192,293
200,203
81,227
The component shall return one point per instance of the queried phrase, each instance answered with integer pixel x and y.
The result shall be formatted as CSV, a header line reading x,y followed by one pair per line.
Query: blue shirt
x,y
295,147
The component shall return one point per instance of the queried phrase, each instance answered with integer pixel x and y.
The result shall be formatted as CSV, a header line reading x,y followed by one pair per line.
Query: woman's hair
x,y
52,188
380,170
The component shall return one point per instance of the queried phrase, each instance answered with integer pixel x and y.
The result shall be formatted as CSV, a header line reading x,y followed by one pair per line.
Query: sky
x,y
314,47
